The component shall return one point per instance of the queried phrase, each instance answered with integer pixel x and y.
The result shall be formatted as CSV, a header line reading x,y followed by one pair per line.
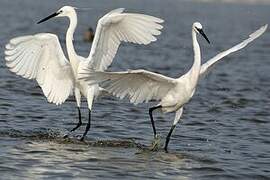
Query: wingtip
x,y
118,10
259,32
158,20
8,47
161,20
6,59
6,53
265,26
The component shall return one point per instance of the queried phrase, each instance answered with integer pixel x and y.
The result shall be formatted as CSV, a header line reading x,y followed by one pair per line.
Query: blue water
x,y
225,129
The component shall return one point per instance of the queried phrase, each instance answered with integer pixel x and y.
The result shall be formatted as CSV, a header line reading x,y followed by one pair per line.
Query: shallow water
x,y
225,132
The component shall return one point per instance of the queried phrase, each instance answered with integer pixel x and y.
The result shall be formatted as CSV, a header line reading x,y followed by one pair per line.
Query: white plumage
x,y
211,62
141,85
41,57
116,27
138,85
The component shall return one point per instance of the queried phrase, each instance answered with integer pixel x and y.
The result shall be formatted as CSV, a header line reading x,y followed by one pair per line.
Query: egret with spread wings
x,y
141,85
41,57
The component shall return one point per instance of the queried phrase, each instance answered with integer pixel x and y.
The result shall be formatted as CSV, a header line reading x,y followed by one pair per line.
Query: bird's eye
x,y
60,11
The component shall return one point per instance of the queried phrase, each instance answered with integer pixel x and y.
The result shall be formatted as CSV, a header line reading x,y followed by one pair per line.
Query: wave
x,y
59,136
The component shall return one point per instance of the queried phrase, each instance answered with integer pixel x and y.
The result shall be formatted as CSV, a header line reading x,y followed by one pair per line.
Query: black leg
x,y
87,126
152,120
168,138
80,121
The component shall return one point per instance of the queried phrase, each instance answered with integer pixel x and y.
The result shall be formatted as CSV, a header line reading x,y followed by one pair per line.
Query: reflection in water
x,y
48,158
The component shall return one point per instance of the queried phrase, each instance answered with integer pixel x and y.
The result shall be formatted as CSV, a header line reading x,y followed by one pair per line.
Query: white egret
x,y
141,85
41,57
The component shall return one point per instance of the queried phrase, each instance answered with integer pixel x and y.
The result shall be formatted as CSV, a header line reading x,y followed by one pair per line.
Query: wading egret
x,y
41,57
141,85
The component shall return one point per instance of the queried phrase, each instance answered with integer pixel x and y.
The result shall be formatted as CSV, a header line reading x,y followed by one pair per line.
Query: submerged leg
x,y
87,126
176,119
79,122
152,120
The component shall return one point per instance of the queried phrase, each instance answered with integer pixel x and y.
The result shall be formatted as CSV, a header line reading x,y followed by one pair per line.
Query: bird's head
x,y
62,12
197,27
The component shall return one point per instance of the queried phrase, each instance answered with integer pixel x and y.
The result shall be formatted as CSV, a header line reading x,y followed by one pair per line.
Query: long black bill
x,y
47,18
203,34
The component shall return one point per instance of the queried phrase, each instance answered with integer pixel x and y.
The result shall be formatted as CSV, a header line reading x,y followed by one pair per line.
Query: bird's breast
x,y
176,98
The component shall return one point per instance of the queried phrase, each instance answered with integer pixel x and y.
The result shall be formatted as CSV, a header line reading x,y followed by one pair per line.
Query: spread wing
x,y
115,27
138,85
41,57
210,63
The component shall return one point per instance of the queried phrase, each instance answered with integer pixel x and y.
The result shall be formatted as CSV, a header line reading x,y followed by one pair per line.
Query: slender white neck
x,y
69,38
194,72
